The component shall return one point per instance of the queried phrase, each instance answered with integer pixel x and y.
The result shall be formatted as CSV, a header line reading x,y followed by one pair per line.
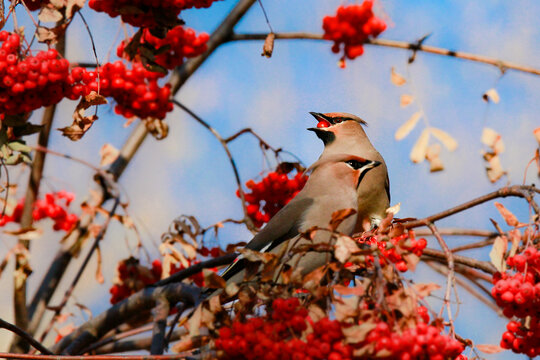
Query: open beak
x,y
325,134
321,117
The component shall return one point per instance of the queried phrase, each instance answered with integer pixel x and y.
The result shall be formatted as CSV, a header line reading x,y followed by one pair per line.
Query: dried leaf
x,y
157,128
497,253
99,274
405,100
213,280
419,150
491,95
346,307
268,46
344,248
108,154
253,256
489,349
494,168
73,6
81,124
215,304
426,289
358,333
48,14
85,309
432,155
507,215
448,141
394,209
515,238
396,78
194,322
339,216
408,126
536,133
232,289
492,139
26,234
358,290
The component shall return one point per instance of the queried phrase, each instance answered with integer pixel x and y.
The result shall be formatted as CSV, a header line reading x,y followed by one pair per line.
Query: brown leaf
x,y
73,6
81,124
497,253
346,307
213,280
408,126
108,154
344,248
99,273
536,133
358,333
507,215
494,168
489,349
215,304
425,289
50,35
254,256
515,238
48,14
405,100
448,141
339,216
26,234
396,79
491,95
432,155
194,322
358,290
232,289
268,46
157,128
419,150
411,259
493,139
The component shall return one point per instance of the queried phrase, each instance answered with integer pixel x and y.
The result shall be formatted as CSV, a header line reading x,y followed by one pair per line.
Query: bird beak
x,y
374,164
321,117
325,134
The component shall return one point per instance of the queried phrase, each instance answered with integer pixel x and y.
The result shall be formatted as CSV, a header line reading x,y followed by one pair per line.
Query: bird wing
x,y
283,226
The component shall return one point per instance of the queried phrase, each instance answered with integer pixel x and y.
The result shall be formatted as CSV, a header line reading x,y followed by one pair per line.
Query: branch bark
x,y
485,266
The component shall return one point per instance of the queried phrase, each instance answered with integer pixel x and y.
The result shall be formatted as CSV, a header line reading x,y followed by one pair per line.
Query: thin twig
x,y
450,277
477,264
58,309
475,245
501,65
25,336
135,344
247,219
457,232
92,357
160,312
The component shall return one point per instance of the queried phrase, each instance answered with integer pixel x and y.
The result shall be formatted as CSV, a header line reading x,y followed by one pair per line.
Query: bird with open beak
x,y
343,133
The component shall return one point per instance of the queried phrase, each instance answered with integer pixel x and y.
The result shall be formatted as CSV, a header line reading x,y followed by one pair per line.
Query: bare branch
x,y
160,312
25,336
501,65
430,254
92,357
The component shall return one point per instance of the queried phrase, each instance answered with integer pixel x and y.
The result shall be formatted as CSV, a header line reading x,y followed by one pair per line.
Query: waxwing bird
x,y
332,186
343,133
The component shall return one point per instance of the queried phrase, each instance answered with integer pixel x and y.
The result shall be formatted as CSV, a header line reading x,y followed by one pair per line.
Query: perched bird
x,y
332,186
343,133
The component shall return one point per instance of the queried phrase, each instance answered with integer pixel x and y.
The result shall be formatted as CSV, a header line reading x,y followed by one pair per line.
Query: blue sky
x,y
188,173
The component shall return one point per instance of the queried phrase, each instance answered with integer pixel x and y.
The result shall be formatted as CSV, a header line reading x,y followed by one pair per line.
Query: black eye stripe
x,y
355,164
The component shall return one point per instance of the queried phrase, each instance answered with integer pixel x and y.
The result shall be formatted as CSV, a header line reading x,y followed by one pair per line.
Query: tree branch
x,y
92,357
25,336
160,312
123,311
501,65
485,266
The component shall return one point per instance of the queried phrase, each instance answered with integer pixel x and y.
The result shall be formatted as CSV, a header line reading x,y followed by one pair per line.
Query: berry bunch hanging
x,y
351,27
179,43
34,4
146,13
518,294
53,206
270,194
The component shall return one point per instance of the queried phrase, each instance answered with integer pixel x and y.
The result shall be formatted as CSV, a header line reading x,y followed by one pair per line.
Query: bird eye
x,y
354,164
338,120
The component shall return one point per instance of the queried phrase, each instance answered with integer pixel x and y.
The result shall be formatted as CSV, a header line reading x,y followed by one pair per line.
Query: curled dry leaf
x,y
405,100
26,233
108,154
99,273
339,216
268,46
425,289
511,219
254,256
448,141
536,133
358,333
396,78
419,150
394,209
491,95
157,128
489,349
494,168
498,250
408,126
344,248
432,155
213,280
48,14
492,139
81,123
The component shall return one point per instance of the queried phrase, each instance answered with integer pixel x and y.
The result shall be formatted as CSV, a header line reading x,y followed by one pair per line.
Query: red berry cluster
x,y
136,91
143,13
181,42
54,206
392,251
132,277
422,342
523,337
518,295
270,194
213,252
30,83
277,336
352,26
